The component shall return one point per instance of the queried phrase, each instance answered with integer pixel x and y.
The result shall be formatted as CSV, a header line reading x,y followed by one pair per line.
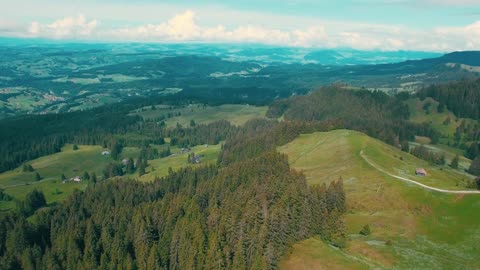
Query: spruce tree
x,y
454,163
475,166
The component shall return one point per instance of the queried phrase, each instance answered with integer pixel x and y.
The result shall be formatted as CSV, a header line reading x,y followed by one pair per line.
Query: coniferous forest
x,y
240,214
244,212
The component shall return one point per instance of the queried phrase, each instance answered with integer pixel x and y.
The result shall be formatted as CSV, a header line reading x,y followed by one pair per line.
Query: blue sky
x,y
429,25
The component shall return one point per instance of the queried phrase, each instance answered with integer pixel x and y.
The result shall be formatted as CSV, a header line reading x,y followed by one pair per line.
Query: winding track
x,y
417,183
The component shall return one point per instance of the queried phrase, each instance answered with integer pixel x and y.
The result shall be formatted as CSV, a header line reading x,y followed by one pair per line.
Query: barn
x,y
421,172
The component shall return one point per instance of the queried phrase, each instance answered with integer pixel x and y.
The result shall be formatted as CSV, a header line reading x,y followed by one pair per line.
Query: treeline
x,y
29,137
422,152
243,216
260,135
462,97
372,112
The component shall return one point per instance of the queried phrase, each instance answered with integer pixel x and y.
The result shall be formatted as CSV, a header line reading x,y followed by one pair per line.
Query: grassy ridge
x,y
426,229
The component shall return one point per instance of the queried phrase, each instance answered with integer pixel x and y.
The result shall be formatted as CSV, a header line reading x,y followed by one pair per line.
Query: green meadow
x,y
69,162
236,114
412,228
159,167
89,158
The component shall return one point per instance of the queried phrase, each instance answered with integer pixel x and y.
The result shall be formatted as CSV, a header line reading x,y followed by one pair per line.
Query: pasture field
x,y
17,183
234,113
412,227
159,167
71,163
438,120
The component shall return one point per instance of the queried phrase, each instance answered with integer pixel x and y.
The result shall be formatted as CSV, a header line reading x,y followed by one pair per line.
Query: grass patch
x,y
424,229
71,163
160,167
236,114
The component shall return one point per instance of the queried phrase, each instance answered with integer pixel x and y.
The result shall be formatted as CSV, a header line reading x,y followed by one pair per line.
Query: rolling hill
x,y
412,227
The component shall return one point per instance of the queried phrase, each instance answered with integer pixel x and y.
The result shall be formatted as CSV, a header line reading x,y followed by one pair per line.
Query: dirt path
x,y
417,183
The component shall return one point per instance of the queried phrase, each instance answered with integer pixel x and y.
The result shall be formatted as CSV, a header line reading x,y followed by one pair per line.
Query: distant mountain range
x,y
243,52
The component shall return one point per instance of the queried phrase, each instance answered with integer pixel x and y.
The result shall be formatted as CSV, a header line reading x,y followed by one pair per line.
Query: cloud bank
x,y
184,27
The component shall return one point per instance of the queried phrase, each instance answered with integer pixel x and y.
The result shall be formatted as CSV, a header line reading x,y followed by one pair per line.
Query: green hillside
x,y
89,158
412,227
444,122
160,167
234,113
71,163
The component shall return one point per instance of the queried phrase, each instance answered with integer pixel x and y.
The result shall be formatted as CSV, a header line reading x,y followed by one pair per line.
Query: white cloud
x,y
285,31
68,27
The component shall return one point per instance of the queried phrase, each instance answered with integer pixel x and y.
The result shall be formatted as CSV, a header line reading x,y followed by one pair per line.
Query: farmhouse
x,y
105,153
420,172
77,179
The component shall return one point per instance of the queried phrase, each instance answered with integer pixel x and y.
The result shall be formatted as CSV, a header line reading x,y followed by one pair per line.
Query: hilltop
x,y
410,226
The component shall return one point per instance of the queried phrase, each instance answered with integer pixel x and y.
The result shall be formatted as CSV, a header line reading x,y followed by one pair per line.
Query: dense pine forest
x,y
242,214
374,113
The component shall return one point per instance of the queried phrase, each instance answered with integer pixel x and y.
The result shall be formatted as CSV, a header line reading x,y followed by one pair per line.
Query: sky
x,y
387,25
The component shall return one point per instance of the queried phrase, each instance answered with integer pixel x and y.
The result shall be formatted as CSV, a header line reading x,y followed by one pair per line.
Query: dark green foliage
x,y
141,165
28,137
113,169
212,133
462,98
473,150
4,196
259,136
93,177
454,163
33,200
130,167
425,154
86,176
75,147
245,215
117,148
441,108
27,168
37,177
365,230
405,146
63,177
475,167
374,113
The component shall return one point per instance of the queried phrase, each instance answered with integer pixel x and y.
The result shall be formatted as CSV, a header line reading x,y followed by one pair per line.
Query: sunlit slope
x,y
412,227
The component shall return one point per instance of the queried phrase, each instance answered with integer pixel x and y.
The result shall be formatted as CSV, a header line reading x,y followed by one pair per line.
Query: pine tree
x,y
475,166
130,167
37,177
365,230
94,177
86,176
75,147
454,163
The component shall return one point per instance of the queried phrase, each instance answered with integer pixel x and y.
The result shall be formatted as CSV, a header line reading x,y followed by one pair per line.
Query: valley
x,y
218,156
